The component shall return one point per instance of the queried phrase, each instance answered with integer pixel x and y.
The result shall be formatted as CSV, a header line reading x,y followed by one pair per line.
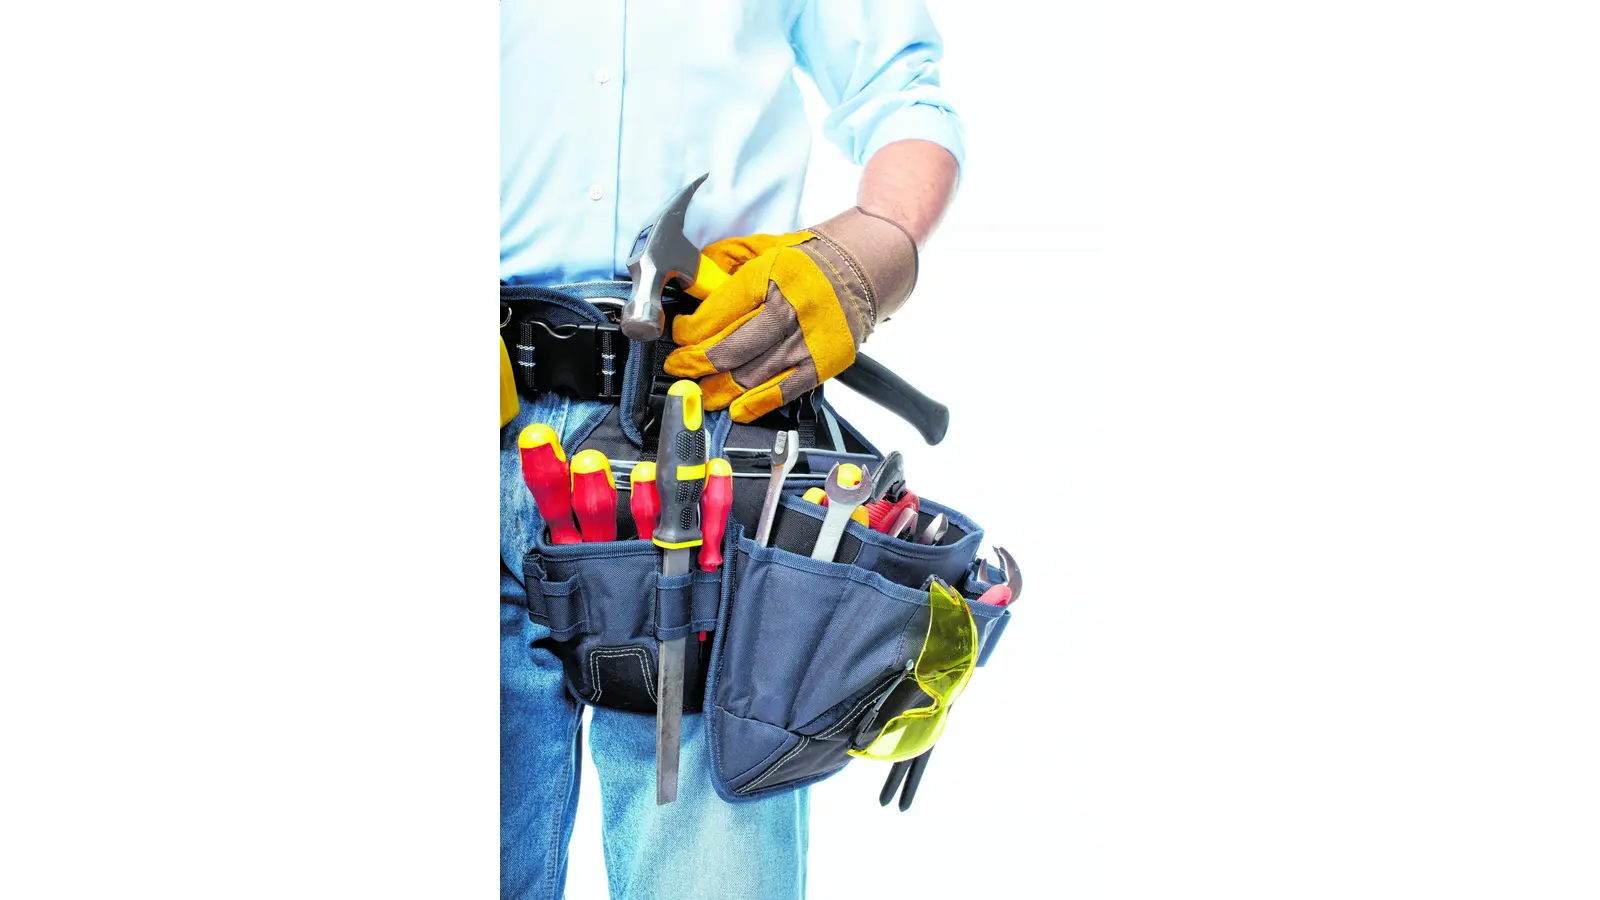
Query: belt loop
x,y
526,355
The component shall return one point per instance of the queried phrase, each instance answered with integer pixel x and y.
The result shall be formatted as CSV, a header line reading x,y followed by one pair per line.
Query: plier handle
x,y
911,771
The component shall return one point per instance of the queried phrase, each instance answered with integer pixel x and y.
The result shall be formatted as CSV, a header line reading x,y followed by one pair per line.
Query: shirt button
x,y
602,75
595,193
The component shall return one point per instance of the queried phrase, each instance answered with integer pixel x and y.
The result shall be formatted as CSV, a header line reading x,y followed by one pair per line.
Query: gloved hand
x,y
791,310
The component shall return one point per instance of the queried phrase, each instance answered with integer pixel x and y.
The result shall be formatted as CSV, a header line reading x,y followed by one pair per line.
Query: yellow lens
x,y
943,668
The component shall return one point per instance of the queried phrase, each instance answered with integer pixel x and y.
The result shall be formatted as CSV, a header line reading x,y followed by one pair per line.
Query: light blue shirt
x,y
607,107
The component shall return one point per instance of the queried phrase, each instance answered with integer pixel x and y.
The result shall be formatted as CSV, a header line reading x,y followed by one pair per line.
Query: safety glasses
x,y
943,668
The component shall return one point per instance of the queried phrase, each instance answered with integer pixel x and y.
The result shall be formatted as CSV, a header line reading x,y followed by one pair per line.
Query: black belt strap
x,y
585,361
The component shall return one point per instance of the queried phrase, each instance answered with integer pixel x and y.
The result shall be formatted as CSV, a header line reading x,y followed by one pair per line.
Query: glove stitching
x,y
861,276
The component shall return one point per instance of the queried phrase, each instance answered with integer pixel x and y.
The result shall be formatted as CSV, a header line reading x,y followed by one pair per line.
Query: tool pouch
x,y
607,607
810,655
804,658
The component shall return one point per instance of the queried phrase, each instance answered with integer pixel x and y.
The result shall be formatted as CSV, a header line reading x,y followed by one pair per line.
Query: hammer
x,y
662,251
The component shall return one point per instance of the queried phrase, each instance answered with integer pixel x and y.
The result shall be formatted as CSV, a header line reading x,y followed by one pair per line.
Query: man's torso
x,y
608,108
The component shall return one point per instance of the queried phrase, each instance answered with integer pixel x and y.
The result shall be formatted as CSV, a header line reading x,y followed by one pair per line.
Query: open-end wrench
x,y
847,489
785,450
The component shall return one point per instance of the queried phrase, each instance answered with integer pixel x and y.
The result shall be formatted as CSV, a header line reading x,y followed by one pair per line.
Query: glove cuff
x,y
878,255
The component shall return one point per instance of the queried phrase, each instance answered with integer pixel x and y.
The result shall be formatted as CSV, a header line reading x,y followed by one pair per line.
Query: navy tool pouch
x,y
608,607
805,658
810,655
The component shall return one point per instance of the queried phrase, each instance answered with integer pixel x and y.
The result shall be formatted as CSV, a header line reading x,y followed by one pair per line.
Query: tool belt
x,y
803,660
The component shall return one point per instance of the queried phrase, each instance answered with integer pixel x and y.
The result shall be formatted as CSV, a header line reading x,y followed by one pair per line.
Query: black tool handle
x,y
872,380
680,467
914,778
897,774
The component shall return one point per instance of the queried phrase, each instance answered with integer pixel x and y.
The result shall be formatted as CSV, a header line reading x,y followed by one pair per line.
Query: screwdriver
x,y
714,514
544,468
643,501
714,507
594,496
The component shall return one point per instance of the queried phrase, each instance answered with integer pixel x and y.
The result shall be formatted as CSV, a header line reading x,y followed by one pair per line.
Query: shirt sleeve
x,y
877,66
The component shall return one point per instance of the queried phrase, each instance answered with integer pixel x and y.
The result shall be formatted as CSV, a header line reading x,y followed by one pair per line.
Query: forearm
x,y
911,183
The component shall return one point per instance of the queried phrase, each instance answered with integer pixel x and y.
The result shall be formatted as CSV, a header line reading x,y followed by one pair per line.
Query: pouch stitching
x,y
618,652
869,579
811,658
777,765
727,626
879,688
730,583
839,725
765,761
913,552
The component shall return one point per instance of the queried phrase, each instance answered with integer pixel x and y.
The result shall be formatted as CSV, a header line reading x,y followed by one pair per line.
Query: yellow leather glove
x,y
780,314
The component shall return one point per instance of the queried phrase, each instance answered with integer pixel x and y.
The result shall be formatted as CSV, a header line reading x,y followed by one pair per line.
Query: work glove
x,y
780,314
509,406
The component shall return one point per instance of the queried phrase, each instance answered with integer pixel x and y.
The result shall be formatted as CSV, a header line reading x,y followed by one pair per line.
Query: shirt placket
x,y
606,78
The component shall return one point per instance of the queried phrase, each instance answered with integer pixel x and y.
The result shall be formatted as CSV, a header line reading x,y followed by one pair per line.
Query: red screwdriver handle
x,y
594,496
714,506
642,499
544,469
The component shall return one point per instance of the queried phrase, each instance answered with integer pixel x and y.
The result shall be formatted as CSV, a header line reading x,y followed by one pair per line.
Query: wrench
x,y
842,501
785,450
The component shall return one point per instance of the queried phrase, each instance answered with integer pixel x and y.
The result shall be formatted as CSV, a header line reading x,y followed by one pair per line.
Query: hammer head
x,y
661,251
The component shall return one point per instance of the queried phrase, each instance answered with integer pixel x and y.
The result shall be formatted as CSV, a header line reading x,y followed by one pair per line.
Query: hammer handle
x,y
872,380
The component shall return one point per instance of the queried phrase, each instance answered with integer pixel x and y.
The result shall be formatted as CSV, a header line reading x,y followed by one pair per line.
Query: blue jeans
x,y
699,846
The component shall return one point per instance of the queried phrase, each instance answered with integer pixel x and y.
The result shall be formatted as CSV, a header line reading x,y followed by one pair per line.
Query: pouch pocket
x,y
608,607
803,649
809,650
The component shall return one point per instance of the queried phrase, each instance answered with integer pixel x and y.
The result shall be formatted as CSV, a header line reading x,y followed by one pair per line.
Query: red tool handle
x,y
997,595
544,469
594,496
883,518
642,499
714,506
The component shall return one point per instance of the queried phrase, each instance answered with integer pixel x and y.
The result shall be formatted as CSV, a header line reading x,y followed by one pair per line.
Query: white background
x,y
1269,331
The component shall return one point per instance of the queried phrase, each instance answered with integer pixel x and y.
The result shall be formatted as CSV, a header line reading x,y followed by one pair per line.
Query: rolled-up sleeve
x,y
877,66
